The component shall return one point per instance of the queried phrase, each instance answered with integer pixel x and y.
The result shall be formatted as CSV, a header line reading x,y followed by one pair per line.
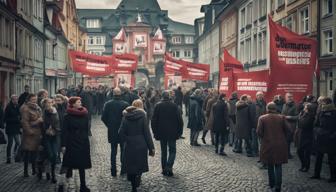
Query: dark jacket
x,y
75,137
51,119
1,117
220,117
87,101
244,120
129,97
306,127
22,98
12,119
196,116
260,108
112,116
61,110
138,140
326,130
290,109
167,122
272,129
178,97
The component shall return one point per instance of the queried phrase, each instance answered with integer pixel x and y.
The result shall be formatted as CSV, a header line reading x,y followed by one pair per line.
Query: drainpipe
x,y
318,44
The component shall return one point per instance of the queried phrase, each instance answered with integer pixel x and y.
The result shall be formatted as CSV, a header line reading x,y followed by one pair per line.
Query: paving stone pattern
x,y
196,169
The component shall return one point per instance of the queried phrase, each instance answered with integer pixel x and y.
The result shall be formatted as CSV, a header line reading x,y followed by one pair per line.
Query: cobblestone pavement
x,y
196,169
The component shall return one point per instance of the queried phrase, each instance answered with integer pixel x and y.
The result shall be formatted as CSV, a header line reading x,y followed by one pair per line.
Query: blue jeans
x,y
275,176
11,138
51,145
255,143
168,162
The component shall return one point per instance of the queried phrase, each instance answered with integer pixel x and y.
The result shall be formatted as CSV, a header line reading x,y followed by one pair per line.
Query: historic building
x,y
300,16
252,32
327,52
140,22
208,41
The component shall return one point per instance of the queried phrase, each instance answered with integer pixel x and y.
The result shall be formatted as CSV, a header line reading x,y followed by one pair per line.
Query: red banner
x,y
252,82
89,64
173,66
125,61
226,81
292,62
196,72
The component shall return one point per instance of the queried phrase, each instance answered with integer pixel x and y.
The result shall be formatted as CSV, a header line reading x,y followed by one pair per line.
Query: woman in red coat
x,y
272,130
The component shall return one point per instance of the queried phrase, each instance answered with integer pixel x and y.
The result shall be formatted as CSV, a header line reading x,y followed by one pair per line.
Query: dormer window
x,y
93,23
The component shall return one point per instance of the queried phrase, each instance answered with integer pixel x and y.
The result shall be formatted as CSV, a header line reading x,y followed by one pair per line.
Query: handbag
x,y
2,138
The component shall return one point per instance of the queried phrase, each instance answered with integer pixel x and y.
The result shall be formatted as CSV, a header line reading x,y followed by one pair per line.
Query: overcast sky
x,y
180,10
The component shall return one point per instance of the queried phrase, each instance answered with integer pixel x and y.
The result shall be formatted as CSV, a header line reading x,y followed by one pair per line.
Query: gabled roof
x,y
121,36
139,4
175,27
158,35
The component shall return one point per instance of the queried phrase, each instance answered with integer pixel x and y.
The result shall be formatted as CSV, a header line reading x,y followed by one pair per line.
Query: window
x,y
93,23
176,54
255,10
49,49
242,49
328,42
263,45
176,40
248,50
260,45
249,14
90,40
280,3
290,1
289,22
189,40
327,7
242,18
304,20
254,49
188,54
262,7
99,40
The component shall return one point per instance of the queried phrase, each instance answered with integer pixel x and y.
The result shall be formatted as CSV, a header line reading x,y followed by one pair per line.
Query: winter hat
x,y
73,100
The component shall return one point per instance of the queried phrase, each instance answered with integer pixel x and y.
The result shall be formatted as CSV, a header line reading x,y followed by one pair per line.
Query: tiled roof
x,y
139,4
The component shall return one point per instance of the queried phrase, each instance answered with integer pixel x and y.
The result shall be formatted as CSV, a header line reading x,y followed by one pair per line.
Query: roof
x,y
175,27
139,4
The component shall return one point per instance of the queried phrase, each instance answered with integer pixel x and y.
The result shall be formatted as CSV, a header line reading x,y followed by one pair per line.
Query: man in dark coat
x,y
196,117
23,96
112,117
13,126
167,126
325,134
245,122
232,117
127,95
178,97
220,123
260,109
186,101
290,111
272,130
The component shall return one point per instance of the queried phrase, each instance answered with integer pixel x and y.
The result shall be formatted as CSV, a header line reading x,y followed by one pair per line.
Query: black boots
x,y
84,188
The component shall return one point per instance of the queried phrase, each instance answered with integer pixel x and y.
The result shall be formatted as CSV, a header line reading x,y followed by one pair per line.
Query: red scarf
x,y
79,112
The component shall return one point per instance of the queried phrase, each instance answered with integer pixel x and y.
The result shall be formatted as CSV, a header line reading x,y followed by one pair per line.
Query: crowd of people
x,y
55,131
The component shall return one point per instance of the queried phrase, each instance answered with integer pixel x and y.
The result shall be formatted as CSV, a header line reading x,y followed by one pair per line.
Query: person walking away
x,y
167,126
87,102
272,129
186,101
51,131
290,111
305,132
24,95
75,141
244,126
179,98
196,117
135,132
220,124
260,109
232,117
112,117
210,118
12,125
32,125
325,143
